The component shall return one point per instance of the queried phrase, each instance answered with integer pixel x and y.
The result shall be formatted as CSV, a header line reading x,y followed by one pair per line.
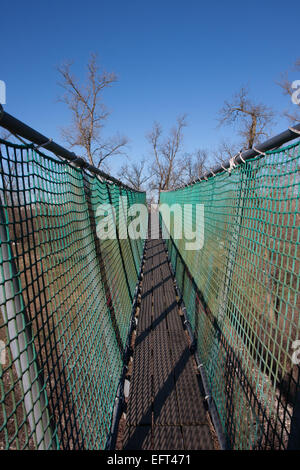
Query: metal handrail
x,y
15,126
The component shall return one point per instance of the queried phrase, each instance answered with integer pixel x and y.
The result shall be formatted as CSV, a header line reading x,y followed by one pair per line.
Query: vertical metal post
x,y
21,344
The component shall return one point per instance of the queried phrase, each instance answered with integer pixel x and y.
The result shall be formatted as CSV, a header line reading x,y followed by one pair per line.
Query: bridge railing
x,y
240,289
66,299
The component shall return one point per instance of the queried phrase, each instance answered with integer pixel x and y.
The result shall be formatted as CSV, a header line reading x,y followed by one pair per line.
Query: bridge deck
x,y
165,409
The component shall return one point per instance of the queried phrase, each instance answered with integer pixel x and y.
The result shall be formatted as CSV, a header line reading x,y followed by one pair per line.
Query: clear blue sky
x,y
171,57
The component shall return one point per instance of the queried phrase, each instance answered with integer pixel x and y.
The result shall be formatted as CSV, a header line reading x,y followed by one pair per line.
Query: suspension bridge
x,y
138,342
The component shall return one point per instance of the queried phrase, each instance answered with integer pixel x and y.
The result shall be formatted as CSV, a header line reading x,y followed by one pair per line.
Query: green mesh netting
x,y
241,292
66,301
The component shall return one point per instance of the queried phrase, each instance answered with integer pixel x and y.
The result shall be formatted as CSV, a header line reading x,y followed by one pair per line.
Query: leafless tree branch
x,y
192,166
166,151
89,114
253,119
225,152
135,175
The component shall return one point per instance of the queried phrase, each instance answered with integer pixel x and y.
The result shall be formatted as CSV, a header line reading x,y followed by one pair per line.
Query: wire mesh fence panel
x,y
241,292
65,298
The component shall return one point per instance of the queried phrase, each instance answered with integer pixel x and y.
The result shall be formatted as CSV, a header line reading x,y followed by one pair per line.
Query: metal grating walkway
x,y
165,409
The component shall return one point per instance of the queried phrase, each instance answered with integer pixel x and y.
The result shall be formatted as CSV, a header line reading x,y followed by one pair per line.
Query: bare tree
x,y
225,152
289,90
253,119
89,114
166,151
135,175
192,166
